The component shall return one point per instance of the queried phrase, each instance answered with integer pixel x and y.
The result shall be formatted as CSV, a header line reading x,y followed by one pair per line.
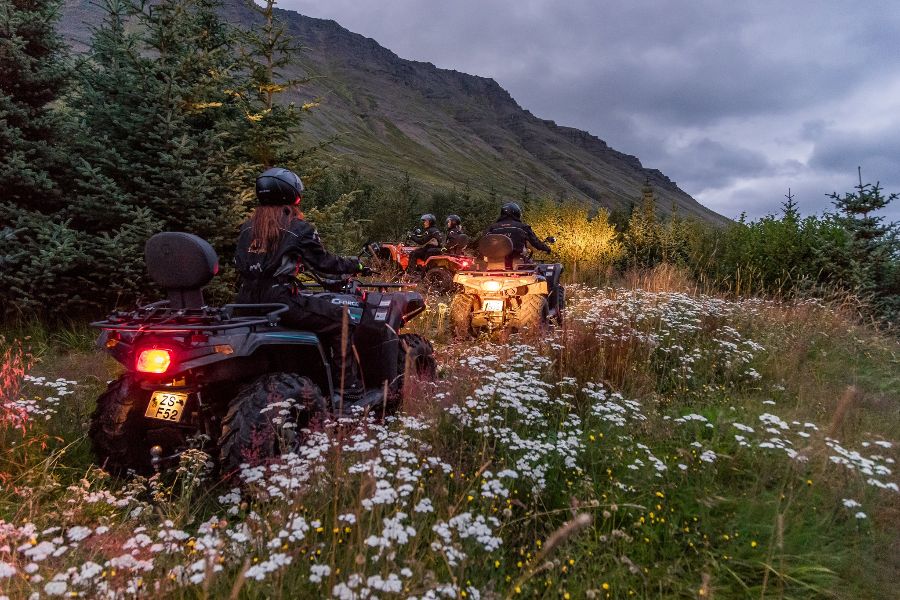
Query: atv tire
x,y
560,306
416,357
461,308
437,281
249,434
532,314
117,432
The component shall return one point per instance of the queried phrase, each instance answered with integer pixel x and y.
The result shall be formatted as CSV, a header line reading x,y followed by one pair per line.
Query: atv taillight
x,y
156,360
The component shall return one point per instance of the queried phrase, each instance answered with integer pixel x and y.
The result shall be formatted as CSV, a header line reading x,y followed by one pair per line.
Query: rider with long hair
x,y
273,246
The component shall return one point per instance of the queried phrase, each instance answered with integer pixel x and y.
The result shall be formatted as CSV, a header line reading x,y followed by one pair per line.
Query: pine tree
x,y
269,128
36,249
150,153
154,104
874,249
673,238
789,208
33,75
641,239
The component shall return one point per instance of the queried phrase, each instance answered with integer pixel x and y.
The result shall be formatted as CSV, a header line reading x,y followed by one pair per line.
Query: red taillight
x,y
154,361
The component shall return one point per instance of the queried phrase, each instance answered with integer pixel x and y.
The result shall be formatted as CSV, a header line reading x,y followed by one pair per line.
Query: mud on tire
x,y
117,432
532,313
437,281
416,357
249,434
560,306
461,308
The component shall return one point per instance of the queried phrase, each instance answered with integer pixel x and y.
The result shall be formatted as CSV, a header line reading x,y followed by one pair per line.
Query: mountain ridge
x,y
443,127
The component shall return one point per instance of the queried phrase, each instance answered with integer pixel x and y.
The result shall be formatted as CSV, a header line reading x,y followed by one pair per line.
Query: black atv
x,y
228,377
503,292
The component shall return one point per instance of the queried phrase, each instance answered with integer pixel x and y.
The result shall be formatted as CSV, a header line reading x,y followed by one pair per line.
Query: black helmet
x,y
453,221
511,209
278,186
430,218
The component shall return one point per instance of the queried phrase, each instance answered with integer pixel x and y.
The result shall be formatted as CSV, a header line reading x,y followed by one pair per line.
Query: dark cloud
x,y
730,99
711,164
877,153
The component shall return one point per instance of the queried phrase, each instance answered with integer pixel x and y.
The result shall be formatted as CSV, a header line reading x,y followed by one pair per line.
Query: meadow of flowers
x,y
660,445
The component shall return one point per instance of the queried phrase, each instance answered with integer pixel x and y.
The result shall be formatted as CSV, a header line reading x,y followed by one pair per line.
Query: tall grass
x,y
662,444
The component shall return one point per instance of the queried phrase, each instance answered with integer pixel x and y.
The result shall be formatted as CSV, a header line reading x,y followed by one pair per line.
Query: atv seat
x,y
495,252
182,264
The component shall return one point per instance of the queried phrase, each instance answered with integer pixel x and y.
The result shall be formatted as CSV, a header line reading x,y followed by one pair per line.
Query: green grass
x,y
748,522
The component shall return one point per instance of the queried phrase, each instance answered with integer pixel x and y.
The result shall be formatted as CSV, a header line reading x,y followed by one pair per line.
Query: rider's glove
x,y
364,270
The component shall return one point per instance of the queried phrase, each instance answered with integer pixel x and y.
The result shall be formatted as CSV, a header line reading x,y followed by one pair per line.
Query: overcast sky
x,y
735,101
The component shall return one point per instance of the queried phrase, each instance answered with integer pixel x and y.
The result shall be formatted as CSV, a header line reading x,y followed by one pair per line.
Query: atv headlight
x,y
492,286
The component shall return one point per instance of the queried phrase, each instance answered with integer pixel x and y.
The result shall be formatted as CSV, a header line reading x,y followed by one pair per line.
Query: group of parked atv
x,y
235,381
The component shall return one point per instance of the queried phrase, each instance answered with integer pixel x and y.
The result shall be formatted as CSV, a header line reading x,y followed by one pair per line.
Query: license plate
x,y
166,406
493,305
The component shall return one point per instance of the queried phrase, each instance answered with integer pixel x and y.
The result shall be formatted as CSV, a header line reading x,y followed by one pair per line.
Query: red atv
x,y
438,270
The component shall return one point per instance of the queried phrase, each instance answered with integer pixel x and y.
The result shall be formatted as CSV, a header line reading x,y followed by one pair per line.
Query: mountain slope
x,y
443,127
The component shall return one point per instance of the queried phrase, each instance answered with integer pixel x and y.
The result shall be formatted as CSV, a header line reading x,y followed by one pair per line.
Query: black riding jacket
x,y
520,234
430,237
456,238
299,248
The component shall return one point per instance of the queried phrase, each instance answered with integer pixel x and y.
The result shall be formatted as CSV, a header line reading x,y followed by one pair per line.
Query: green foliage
x,y
871,248
852,250
642,235
268,125
34,74
339,231
584,241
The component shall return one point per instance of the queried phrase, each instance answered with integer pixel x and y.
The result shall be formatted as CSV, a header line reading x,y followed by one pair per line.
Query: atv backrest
x,y
459,244
181,263
494,250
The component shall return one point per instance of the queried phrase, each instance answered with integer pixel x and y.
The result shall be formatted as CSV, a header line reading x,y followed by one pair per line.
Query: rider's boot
x,y
349,390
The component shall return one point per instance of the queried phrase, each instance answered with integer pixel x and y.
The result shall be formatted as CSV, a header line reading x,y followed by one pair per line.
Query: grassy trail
x,y
661,445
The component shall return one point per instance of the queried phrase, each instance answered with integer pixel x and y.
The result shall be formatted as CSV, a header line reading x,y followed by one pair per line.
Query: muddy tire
x,y
532,314
437,281
461,308
416,357
117,430
249,431
560,306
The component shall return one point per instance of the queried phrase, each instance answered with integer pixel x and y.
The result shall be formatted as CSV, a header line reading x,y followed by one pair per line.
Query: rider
x,y
510,224
273,246
456,239
428,239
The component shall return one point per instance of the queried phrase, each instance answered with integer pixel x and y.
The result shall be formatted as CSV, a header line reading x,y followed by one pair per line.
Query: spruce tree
x,y
37,251
150,152
270,123
641,239
33,75
874,248
154,103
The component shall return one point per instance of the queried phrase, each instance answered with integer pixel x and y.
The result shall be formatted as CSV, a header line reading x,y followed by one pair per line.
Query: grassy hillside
x,y
392,116
662,445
